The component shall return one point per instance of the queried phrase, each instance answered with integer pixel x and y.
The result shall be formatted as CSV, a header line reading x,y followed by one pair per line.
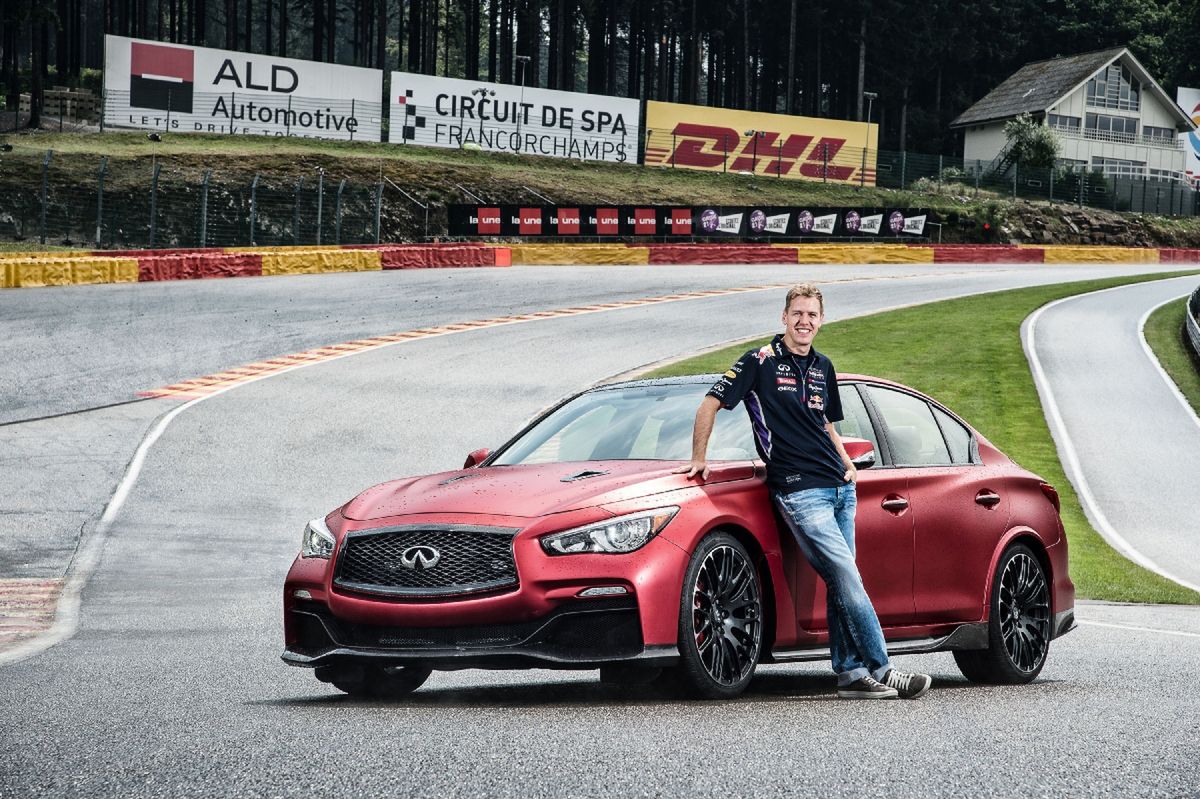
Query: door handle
x,y
989,499
895,504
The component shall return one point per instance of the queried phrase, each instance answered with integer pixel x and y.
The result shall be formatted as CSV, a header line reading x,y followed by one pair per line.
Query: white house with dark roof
x,y
1108,111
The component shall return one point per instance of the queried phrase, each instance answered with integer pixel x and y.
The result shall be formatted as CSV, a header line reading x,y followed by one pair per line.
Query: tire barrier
x,y
66,271
64,268
579,254
987,254
863,254
721,254
197,266
1099,255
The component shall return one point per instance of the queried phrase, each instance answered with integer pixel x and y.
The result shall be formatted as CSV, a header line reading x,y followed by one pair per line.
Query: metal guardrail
x,y
1192,322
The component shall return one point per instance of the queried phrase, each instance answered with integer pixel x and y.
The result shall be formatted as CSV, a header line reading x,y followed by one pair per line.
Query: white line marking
x,y
1141,327
88,556
1066,447
1138,629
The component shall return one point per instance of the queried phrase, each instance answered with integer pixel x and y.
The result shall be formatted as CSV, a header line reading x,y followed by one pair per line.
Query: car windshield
x,y
637,423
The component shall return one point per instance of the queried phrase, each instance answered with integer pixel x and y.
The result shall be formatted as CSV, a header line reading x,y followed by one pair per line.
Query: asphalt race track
x,y
1146,497
172,683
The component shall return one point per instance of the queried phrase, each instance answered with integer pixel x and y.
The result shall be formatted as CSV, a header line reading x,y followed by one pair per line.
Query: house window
x,y
1112,128
1165,175
1165,135
1114,87
1120,168
1064,123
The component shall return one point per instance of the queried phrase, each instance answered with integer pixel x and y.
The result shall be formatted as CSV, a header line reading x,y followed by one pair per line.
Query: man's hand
x,y
851,475
693,469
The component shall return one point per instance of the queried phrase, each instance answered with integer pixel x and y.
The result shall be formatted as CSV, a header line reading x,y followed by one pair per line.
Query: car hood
x,y
531,490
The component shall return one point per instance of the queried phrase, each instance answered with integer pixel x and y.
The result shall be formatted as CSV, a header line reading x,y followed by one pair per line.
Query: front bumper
x,y
584,634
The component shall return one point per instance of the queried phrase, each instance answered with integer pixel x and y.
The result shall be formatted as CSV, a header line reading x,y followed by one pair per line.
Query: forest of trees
x,y
927,61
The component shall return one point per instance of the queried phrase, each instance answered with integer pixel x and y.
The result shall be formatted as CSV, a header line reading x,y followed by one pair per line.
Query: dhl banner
x,y
771,145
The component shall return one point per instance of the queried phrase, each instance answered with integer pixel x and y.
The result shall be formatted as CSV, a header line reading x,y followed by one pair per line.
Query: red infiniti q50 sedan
x,y
574,545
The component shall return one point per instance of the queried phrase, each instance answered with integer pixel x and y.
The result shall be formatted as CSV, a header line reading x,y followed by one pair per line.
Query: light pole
x,y
522,60
482,92
862,172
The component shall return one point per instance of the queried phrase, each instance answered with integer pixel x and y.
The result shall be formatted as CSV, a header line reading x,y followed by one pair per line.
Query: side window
x,y
857,423
913,433
957,436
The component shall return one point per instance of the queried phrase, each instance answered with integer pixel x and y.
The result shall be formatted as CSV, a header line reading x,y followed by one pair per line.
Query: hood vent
x,y
585,474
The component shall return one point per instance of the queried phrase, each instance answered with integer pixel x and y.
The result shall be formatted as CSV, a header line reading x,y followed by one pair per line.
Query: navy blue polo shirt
x,y
789,398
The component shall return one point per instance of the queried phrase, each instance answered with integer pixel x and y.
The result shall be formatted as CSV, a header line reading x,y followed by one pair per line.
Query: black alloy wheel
x,y
375,682
720,619
1018,626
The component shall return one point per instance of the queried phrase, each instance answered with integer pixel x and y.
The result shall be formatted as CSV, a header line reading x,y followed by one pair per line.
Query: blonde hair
x,y
804,290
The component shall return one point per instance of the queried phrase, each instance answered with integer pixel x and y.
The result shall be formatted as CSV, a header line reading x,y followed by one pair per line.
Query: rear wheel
x,y
375,682
1018,624
720,620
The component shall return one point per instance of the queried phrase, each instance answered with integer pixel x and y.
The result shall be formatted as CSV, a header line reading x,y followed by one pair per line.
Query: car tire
x,y
1019,623
720,621
376,682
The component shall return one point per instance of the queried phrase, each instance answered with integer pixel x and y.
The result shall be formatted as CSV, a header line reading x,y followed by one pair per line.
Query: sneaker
x,y
867,688
909,686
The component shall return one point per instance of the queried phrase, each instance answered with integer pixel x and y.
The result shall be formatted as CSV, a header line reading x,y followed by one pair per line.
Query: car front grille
x,y
427,561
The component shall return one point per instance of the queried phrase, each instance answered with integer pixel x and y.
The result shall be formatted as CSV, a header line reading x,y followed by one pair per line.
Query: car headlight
x,y
317,542
622,534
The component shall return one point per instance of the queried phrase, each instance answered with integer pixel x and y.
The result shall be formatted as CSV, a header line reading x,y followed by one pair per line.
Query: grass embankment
x,y
967,353
1164,334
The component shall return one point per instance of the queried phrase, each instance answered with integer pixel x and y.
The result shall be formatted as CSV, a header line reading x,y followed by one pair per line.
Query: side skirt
x,y
966,636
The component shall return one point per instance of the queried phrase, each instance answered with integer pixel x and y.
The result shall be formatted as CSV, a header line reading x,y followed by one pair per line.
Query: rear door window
x,y
912,431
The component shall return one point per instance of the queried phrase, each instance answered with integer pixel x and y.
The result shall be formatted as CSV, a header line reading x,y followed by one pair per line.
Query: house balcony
x,y
1121,138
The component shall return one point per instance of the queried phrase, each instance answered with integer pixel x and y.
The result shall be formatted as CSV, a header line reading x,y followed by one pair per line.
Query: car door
x,y
958,510
883,535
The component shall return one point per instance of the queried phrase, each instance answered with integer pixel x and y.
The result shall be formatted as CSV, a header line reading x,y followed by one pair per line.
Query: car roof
x,y
709,379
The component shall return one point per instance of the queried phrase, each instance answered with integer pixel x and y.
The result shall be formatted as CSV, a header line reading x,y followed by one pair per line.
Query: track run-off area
x,y
162,519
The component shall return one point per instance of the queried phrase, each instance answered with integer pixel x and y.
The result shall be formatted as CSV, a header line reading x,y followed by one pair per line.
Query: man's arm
x,y
851,474
706,414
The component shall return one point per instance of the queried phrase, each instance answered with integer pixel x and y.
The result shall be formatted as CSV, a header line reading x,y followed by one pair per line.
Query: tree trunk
x,y
318,30
904,117
862,67
331,31
745,60
416,29
381,18
596,68
40,35
493,40
790,103
283,28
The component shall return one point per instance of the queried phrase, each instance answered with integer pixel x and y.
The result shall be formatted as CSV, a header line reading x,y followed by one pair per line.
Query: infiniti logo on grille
x,y
420,558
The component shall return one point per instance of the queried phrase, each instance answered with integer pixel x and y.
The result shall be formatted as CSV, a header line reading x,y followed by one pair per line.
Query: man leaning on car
x,y
791,393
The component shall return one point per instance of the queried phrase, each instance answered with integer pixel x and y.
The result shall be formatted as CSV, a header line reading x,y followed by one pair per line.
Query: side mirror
x,y
477,457
861,452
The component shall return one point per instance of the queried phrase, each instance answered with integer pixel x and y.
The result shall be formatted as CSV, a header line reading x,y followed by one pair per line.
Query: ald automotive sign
x,y
448,112
200,90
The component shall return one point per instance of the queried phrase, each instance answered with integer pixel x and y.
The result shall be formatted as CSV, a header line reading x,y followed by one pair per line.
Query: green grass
x,y
967,353
1164,334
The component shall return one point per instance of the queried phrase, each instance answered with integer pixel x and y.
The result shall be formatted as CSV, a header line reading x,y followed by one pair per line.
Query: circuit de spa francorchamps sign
x,y
668,221
185,89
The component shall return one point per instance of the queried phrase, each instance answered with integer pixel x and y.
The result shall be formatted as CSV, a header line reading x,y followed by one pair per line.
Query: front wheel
x,y
720,620
375,682
1018,623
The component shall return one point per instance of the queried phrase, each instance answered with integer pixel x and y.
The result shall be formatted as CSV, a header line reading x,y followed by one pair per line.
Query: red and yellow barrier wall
x,y
132,266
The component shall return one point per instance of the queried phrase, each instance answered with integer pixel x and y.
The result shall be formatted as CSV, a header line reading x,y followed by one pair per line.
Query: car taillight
x,y
1051,495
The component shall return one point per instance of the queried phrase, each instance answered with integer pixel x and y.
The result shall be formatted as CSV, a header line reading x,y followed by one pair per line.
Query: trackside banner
x,y
448,112
772,145
185,89
749,222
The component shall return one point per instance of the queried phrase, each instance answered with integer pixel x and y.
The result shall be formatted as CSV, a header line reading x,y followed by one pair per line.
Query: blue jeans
x,y
822,520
